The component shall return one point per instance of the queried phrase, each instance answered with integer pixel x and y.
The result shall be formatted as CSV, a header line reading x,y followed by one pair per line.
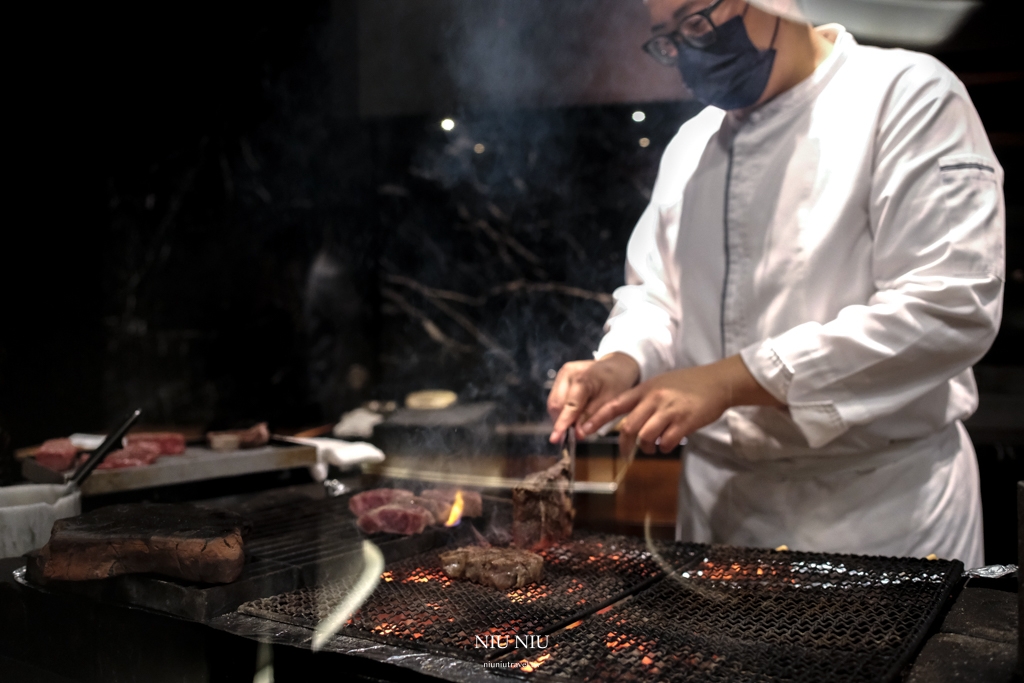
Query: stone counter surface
x,y
977,641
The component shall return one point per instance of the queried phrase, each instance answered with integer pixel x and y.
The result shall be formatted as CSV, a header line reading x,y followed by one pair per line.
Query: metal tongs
x,y
568,452
114,439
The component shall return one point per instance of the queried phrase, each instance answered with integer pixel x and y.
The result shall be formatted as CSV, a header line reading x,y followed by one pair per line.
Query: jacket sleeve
x,y
644,321
938,221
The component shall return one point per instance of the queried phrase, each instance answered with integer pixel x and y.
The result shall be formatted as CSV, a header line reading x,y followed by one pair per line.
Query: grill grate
x,y
302,532
417,604
736,614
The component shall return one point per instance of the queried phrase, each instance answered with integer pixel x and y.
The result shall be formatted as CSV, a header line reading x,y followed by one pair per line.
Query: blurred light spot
x,y
447,124
552,373
639,116
644,142
479,148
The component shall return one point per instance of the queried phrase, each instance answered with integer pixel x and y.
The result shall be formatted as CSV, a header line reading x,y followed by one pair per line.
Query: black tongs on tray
x,y
96,457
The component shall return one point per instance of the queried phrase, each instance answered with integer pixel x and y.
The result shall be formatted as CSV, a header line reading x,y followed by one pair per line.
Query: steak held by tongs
x,y
542,511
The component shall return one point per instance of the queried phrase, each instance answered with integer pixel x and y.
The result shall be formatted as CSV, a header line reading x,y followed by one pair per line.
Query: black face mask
x,y
731,73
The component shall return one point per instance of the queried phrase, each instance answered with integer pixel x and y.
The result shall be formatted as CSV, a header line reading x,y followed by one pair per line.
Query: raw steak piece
x,y
502,568
132,455
542,510
178,540
399,518
362,503
170,443
57,454
233,439
473,505
438,508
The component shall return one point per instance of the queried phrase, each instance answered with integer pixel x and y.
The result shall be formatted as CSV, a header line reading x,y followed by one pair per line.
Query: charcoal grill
x,y
417,604
610,614
753,615
610,608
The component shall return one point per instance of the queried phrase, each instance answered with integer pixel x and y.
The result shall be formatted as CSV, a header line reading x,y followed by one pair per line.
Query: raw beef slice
x,y
57,454
502,568
233,439
177,540
542,511
169,443
362,503
438,508
132,455
399,518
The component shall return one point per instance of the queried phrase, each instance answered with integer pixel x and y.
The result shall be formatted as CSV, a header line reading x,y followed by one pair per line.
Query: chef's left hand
x,y
677,403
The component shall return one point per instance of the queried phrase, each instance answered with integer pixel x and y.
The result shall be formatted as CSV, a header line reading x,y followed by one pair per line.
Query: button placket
x,y
735,254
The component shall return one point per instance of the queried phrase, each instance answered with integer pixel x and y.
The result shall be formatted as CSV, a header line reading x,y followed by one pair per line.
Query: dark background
x,y
220,214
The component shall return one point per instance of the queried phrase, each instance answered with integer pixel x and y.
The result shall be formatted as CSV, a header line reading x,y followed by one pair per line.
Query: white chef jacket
x,y
847,239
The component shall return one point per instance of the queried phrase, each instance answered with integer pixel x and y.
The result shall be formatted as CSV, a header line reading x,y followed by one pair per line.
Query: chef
x,y
820,265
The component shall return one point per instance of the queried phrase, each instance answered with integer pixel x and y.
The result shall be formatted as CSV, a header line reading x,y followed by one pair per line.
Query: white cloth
x,y
847,239
357,424
344,455
27,514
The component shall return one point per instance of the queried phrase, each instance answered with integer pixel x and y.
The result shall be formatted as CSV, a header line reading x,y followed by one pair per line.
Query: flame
x,y
456,514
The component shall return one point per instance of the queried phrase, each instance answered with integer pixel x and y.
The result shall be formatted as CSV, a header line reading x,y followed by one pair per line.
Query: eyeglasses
x,y
696,30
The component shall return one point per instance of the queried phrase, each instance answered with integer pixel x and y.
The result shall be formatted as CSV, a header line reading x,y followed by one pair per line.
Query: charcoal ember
x,y
472,503
169,443
57,454
177,540
132,455
363,502
234,439
501,568
398,518
542,512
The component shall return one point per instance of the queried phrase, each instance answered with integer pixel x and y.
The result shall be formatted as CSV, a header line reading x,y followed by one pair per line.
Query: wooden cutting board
x,y
195,464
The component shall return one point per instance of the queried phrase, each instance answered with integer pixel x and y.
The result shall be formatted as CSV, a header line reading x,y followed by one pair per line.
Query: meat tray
x,y
195,464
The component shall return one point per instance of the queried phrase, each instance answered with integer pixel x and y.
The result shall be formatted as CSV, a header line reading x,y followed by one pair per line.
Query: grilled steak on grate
x,y
397,518
542,510
502,568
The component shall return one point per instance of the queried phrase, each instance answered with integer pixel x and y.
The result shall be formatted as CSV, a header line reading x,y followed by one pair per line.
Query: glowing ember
x,y
456,514
530,666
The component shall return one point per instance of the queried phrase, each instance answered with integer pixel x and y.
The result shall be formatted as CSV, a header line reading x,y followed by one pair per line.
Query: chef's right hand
x,y
583,386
